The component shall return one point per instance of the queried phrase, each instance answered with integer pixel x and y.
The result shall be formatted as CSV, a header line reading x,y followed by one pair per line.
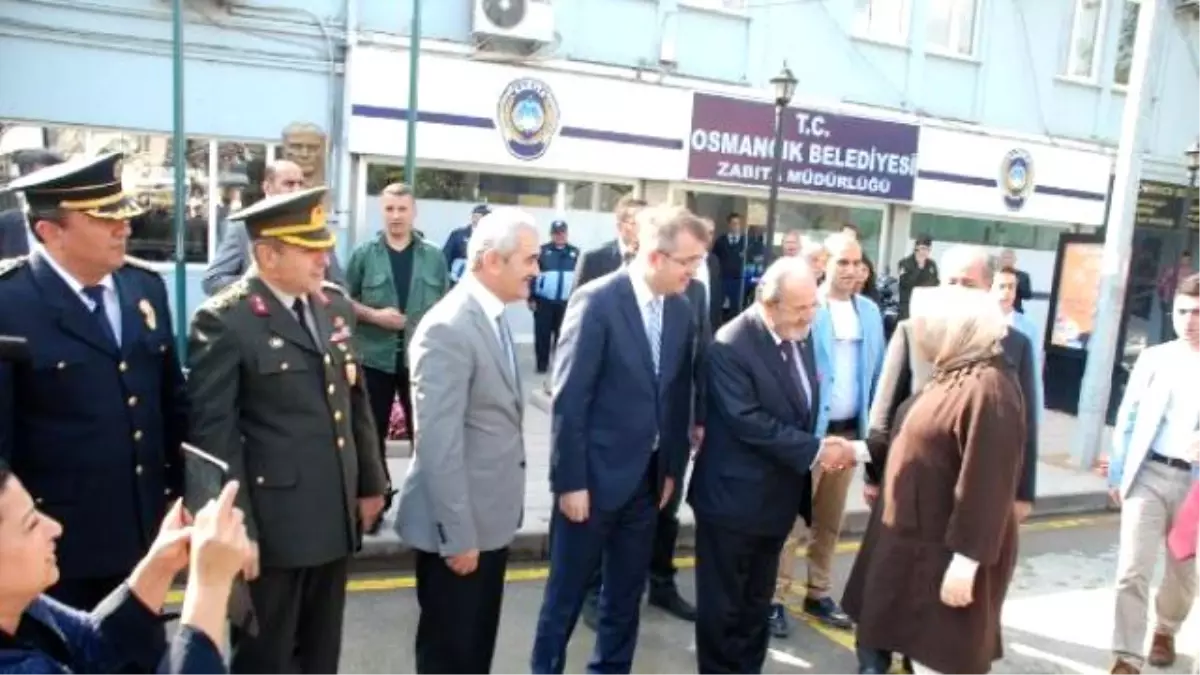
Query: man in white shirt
x,y
849,345
1155,444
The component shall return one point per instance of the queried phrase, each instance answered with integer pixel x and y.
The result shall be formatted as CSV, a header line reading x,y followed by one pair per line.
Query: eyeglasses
x,y
690,263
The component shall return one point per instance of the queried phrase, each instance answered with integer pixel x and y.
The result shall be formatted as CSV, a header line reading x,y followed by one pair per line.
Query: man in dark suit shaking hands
x,y
622,409
752,474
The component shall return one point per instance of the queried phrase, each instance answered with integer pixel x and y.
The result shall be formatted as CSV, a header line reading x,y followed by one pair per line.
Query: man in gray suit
x,y
463,499
230,261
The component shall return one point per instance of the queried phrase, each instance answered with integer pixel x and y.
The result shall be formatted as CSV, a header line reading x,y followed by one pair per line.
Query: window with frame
x,y
986,232
952,25
1084,55
230,171
1130,11
885,20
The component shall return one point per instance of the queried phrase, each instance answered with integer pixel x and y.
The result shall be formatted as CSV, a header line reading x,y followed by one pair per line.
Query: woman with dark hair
x,y
124,633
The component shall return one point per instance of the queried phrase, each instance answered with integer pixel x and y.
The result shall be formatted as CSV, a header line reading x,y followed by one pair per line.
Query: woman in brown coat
x,y
934,567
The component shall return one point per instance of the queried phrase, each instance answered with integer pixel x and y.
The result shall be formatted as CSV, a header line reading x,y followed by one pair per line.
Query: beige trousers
x,y
828,507
1146,518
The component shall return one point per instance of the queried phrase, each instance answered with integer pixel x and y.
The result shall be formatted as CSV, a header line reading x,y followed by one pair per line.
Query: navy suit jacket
x,y
752,471
607,405
91,430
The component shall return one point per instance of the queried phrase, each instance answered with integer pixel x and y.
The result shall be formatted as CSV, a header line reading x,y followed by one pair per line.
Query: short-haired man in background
x,y
393,280
1156,445
597,262
915,271
455,249
232,258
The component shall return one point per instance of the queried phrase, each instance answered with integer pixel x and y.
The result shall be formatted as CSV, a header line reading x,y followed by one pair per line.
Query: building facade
x,y
964,120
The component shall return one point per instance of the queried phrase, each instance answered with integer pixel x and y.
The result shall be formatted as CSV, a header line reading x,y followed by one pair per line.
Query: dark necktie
x,y
96,295
627,257
298,309
788,350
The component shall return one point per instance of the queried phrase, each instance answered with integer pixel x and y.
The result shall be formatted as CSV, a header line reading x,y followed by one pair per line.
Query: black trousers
x,y
460,615
662,558
299,621
547,319
735,579
382,390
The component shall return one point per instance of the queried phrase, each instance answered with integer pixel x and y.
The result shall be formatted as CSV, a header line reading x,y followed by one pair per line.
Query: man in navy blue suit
x,y
752,473
622,409
93,421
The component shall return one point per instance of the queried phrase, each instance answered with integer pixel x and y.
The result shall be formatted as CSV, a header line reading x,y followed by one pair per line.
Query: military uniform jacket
x,y
291,418
93,430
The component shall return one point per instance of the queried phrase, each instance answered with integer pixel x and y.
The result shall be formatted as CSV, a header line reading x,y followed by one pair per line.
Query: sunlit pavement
x,y
1058,618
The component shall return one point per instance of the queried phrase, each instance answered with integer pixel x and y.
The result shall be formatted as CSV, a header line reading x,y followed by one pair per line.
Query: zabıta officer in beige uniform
x,y
280,396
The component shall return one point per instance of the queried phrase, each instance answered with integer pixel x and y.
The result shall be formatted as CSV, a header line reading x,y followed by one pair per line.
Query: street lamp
x,y
1193,157
784,85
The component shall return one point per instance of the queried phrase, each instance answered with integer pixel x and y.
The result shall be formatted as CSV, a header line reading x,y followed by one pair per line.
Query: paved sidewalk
x,y
1061,489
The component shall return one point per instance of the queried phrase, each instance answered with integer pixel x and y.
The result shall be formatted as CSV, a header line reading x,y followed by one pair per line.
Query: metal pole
x,y
414,58
1118,244
181,188
773,197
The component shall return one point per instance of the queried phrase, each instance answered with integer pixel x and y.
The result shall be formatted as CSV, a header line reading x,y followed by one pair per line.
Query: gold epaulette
x,y
330,286
144,265
9,266
229,296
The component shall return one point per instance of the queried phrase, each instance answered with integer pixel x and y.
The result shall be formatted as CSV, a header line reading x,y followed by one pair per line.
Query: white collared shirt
x,y
1181,417
847,341
644,296
493,309
287,299
112,302
701,275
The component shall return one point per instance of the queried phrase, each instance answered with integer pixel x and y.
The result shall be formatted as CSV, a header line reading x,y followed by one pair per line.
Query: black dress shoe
x,y
778,623
669,600
826,611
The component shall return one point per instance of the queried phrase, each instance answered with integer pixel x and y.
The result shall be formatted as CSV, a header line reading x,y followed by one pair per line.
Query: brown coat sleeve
x,y
894,387
991,435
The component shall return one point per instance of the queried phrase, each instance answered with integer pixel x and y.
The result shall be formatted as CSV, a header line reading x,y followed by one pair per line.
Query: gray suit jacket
x,y
230,261
465,488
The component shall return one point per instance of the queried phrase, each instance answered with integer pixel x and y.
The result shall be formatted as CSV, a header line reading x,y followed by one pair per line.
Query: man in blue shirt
x,y
549,292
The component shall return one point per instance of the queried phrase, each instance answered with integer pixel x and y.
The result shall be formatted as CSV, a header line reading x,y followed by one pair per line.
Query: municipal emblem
x,y
528,118
148,314
1016,178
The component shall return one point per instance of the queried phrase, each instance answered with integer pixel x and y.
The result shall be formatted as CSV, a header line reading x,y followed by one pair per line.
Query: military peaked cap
x,y
91,186
296,218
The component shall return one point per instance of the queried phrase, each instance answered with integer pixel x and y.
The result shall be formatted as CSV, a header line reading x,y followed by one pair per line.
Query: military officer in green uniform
x,y
280,396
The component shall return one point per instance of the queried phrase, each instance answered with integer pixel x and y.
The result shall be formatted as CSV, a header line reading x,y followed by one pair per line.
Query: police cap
x,y
558,226
89,185
481,210
296,218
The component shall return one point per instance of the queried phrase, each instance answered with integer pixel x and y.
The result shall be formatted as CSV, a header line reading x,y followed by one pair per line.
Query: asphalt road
x,y
1058,618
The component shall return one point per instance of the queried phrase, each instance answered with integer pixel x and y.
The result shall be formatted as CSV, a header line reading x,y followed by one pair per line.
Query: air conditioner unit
x,y
1188,7
516,20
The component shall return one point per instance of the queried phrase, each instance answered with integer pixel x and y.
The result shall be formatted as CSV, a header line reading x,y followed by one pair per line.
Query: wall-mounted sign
x,y
527,116
1077,294
1016,178
732,141
1159,204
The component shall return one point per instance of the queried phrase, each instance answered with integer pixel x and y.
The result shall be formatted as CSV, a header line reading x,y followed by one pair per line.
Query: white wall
x,y
587,230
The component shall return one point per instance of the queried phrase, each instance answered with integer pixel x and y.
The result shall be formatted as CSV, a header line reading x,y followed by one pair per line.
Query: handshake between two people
x,y
836,454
